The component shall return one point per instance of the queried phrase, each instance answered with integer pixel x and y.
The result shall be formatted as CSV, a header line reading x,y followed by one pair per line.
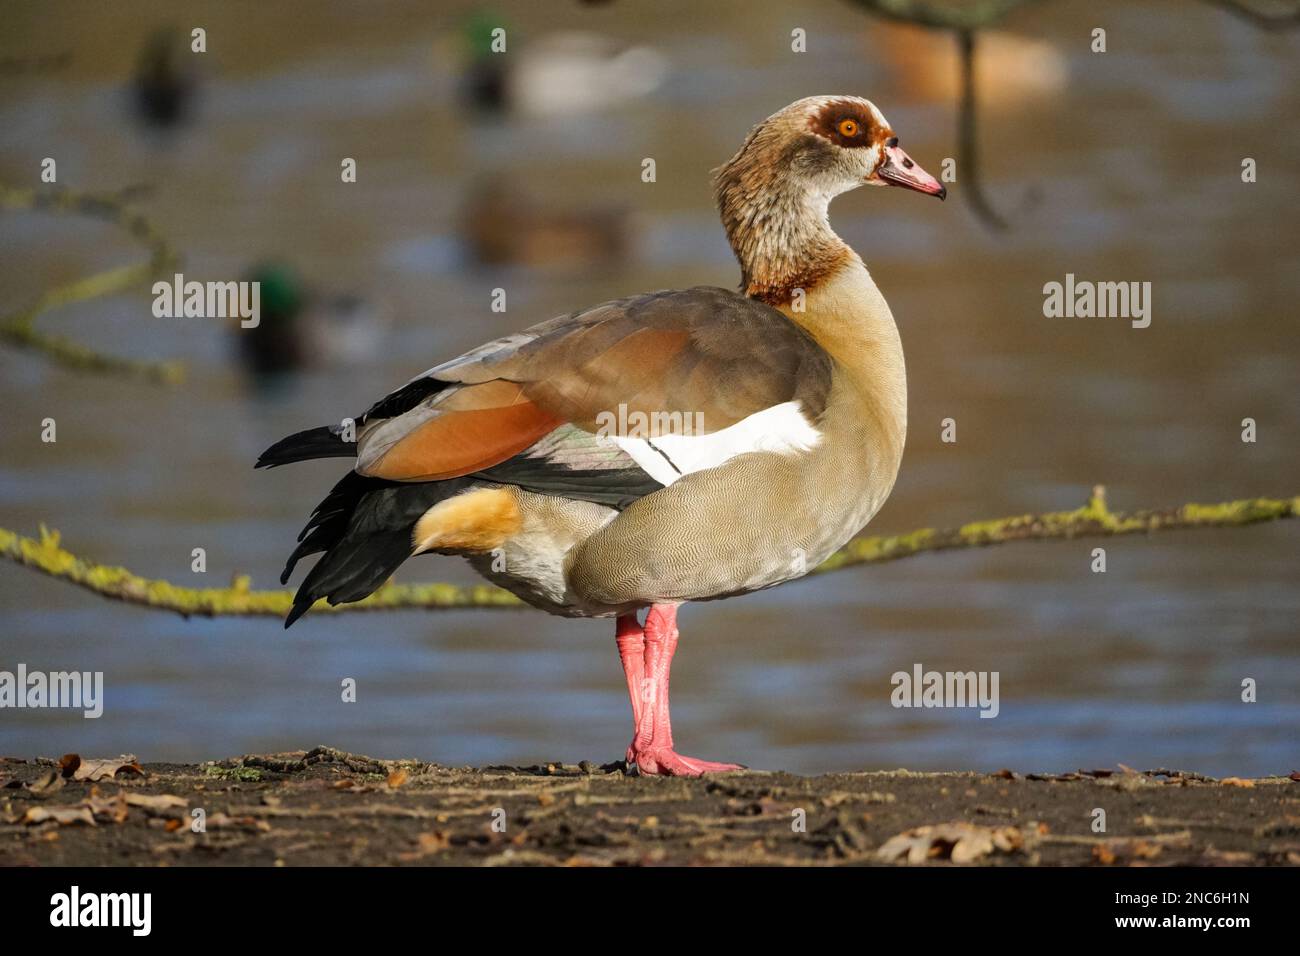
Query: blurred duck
x,y
299,329
502,224
753,435
557,74
165,79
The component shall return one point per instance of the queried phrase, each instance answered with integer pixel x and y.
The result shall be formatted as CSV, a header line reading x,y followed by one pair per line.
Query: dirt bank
x,y
328,807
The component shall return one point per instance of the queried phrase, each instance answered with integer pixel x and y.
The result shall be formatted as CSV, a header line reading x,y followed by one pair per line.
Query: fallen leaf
x,y
1134,849
220,820
171,826
107,809
959,842
48,783
105,769
431,842
63,816
161,801
427,844
397,778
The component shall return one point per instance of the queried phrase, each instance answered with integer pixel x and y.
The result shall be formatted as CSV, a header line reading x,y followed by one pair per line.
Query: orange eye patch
x,y
848,127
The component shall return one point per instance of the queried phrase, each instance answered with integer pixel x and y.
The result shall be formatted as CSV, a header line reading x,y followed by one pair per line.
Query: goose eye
x,y
848,128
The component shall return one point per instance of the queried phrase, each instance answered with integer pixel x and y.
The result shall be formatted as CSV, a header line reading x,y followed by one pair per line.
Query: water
x,y
1129,171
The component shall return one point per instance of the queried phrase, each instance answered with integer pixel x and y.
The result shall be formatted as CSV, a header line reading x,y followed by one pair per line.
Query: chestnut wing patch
x,y
470,429
699,360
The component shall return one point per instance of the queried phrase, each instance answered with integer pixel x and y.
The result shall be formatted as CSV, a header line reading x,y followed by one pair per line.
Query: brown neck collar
x,y
777,227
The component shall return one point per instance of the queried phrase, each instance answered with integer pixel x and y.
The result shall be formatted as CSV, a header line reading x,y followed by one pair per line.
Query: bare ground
x,y
326,807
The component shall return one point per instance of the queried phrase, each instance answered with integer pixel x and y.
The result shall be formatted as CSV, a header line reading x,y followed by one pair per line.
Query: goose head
x,y
774,193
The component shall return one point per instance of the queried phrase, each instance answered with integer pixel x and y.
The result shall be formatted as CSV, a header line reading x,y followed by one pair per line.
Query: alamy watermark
x,y
1084,299
922,688
76,690
75,908
208,300
638,424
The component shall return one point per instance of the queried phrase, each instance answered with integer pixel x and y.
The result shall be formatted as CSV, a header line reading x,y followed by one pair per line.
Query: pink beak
x,y
898,169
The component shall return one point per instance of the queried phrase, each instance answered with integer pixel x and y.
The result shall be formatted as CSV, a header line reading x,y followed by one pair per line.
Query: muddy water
x,y
1121,166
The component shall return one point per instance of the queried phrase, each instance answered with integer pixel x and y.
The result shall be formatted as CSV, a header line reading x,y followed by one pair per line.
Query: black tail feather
x,y
324,442
364,527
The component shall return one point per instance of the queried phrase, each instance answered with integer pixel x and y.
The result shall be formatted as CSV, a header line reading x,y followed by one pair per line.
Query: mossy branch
x,y
19,328
1094,519
45,554
976,14
964,18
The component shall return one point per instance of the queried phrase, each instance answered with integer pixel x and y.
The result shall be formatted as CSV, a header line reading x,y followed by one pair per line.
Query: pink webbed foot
x,y
668,763
647,655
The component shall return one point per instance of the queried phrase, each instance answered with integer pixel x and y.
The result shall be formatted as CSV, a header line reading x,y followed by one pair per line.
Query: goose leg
x,y
652,747
631,652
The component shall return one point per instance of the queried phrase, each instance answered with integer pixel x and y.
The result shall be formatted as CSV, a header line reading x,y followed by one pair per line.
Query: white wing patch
x,y
665,458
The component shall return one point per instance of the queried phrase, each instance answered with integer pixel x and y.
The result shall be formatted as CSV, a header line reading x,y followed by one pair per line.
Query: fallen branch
x,y
1092,520
19,328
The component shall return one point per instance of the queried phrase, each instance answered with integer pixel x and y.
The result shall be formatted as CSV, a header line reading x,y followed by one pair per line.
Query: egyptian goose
x,y
675,446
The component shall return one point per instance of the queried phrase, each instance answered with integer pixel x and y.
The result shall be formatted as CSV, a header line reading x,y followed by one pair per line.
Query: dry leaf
x,y
63,816
432,842
105,769
219,820
48,783
427,844
397,778
162,801
107,809
1135,849
959,842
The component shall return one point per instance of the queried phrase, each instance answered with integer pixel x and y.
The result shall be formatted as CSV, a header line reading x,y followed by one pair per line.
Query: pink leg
x,y
631,651
647,681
